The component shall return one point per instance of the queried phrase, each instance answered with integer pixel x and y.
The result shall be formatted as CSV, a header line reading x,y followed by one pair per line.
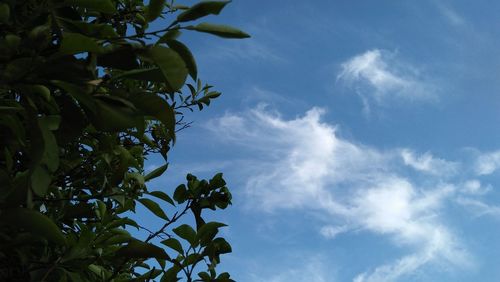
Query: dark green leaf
x,y
173,244
202,9
120,57
154,9
149,74
139,249
114,114
40,180
156,172
153,207
74,43
171,274
208,231
163,196
219,30
169,35
192,259
118,239
171,64
34,222
77,92
152,274
89,29
122,222
180,194
187,233
222,245
157,107
4,12
217,181
105,6
186,55
204,276
51,150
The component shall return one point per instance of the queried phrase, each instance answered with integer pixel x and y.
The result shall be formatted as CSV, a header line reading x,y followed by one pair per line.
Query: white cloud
x,y
479,208
302,163
378,75
487,163
450,14
428,163
474,187
310,270
331,231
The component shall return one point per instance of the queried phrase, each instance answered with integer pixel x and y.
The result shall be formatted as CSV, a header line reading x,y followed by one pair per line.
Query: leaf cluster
x,y
87,93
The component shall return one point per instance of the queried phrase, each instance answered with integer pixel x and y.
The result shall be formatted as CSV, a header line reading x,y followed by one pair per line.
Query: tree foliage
x,y
87,92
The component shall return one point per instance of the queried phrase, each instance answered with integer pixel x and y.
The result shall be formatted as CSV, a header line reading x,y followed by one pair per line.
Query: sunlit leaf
x,y
219,30
202,9
153,207
139,249
187,233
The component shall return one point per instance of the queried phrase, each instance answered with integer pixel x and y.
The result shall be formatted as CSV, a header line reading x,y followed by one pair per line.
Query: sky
x,y
360,139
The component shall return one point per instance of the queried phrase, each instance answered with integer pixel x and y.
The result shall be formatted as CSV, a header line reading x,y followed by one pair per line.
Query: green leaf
x,y
174,244
219,30
74,43
156,172
204,276
89,29
34,222
153,207
154,9
163,196
148,74
202,9
169,35
223,247
101,209
51,150
40,180
104,6
4,12
171,274
118,239
171,65
187,233
217,181
122,57
192,259
186,55
180,194
122,222
208,231
157,107
115,114
77,92
139,249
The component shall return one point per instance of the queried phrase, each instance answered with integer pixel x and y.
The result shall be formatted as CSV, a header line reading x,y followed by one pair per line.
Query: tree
x,y
88,92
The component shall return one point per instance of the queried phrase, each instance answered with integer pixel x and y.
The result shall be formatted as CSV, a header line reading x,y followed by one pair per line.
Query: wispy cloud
x,y
475,188
428,163
450,14
248,50
311,269
478,207
487,163
379,76
303,164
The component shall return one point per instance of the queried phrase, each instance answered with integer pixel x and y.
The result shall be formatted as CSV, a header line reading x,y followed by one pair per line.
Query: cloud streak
x,y
379,77
303,164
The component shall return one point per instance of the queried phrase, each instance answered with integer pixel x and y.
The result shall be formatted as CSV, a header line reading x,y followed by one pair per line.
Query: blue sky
x,y
360,139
